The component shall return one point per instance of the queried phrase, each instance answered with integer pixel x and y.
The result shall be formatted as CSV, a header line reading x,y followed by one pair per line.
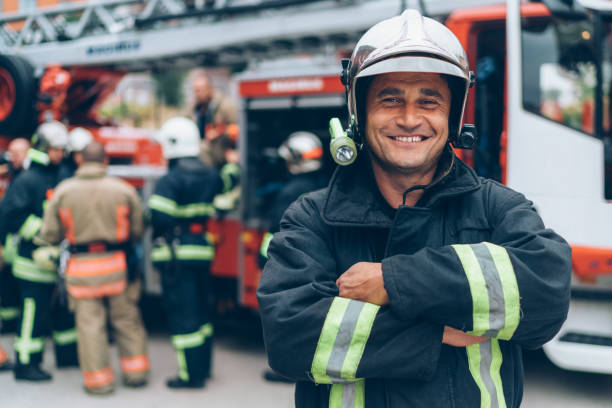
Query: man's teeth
x,y
408,139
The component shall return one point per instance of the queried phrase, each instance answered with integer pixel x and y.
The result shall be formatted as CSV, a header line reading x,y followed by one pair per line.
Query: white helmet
x,y
179,137
303,152
408,43
50,135
78,138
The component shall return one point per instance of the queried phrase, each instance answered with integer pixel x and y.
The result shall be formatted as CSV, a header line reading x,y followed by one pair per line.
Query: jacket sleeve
x,y
18,214
312,334
51,230
163,206
515,287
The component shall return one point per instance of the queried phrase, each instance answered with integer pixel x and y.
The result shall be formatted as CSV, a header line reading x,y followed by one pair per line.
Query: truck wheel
x,y
17,95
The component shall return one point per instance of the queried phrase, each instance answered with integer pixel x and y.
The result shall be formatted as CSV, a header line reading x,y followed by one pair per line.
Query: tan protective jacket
x,y
92,208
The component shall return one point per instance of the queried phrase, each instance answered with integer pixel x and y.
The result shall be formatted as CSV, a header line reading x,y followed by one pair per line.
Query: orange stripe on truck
x,y
97,266
136,364
98,378
589,262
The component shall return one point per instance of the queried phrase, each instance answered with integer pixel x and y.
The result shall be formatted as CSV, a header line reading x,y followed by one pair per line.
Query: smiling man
x,y
410,281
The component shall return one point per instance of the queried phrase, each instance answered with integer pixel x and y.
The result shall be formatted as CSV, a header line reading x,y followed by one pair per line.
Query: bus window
x,y
559,72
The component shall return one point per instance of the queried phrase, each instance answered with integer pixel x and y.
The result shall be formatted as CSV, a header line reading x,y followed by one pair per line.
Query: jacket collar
x,y
353,197
91,170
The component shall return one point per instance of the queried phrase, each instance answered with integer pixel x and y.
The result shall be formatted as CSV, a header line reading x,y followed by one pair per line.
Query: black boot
x,y
178,383
31,372
273,376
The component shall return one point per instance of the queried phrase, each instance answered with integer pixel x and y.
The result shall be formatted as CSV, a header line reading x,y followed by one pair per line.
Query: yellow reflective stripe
x,y
194,210
510,289
351,395
229,172
162,204
265,244
207,330
9,313
9,252
26,269
360,337
326,341
30,227
184,253
191,340
182,364
484,360
478,288
65,337
25,344
38,156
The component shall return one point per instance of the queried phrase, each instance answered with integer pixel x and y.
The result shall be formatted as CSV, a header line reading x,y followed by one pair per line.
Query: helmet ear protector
x,y
344,149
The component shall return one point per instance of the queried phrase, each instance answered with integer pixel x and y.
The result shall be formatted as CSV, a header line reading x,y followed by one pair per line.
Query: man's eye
x,y
391,100
429,102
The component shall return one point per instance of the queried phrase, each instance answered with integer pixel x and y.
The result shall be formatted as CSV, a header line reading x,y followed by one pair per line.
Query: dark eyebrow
x,y
431,92
389,92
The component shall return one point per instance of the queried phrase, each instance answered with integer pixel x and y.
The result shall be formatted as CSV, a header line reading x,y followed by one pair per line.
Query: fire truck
x,y
541,105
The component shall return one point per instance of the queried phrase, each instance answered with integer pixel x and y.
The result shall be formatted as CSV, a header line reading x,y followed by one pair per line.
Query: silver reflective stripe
x,y
343,341
497,315
349,395
485,361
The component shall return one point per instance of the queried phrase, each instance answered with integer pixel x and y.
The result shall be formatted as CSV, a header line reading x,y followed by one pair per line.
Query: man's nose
x,y
409,118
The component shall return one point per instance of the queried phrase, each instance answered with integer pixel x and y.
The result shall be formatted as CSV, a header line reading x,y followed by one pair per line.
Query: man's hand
x,y
457,338
364,281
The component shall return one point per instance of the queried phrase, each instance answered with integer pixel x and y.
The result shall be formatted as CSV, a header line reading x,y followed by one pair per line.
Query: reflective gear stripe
x,y
65,216
26,269
485,361
122,227
343,338
98,378
25,344
162,204
9,313
65,337
97,266
192,340
170,207
183,252
265,243
89,292
494,290
9,252
229,173
38,157
136,364
351,395
30,227
182,364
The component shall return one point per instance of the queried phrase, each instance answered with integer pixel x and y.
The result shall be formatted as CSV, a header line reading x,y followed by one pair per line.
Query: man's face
x,y
201,89
18,152
407,121
55,154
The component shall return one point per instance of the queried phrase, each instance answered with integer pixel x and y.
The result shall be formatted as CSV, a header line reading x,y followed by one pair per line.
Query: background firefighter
x,y
180,207
99,216
22,212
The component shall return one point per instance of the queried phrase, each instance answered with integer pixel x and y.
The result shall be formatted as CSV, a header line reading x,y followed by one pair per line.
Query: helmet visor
x,y
413,63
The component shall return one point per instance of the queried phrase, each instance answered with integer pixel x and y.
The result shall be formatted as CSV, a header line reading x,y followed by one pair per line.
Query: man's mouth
x,y
408,139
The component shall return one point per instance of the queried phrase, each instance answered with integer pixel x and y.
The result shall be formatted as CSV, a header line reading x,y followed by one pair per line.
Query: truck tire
x,y
17,96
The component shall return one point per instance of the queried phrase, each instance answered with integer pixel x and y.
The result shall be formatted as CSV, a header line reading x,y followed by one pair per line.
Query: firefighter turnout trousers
x,y
185,297
91,318
9,300
43,315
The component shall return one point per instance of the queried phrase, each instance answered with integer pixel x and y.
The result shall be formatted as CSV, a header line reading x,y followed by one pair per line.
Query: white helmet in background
x,y
303,152
179,137
51,134
78,138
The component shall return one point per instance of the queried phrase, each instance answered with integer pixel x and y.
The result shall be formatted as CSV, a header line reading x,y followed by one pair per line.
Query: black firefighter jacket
x,y
472,254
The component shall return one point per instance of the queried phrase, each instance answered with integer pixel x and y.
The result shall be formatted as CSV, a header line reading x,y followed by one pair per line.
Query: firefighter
x,y
409,281
22,212
180,207
78,138
99,216
9,288
303,155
